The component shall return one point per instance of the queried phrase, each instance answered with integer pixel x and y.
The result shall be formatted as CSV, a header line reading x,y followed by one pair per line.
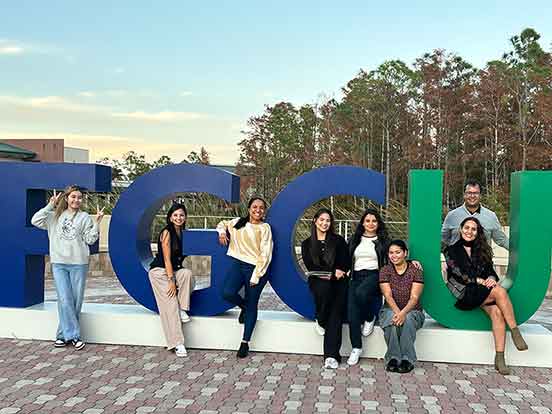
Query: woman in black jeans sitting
x,y
326,258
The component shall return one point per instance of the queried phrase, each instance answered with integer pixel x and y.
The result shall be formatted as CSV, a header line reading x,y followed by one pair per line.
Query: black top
x,y
342,260
176,252
463,269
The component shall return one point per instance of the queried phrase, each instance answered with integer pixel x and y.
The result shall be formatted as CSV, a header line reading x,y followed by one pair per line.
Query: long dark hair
x,y
176,245
381,231
331,242
481,250
245,219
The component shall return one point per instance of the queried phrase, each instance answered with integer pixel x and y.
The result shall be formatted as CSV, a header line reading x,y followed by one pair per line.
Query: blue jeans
x,y
238,276
70,280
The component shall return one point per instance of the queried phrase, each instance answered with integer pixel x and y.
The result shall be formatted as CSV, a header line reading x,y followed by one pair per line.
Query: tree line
x,y
439,112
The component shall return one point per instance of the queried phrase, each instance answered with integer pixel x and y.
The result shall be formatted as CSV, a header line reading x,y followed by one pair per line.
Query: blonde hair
x,y
61,204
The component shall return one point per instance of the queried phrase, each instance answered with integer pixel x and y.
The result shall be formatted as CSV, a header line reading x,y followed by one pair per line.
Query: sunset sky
x,y
164,78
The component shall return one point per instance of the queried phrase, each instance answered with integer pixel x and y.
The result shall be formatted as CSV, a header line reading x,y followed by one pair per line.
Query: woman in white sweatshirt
x,y
70,232
249,241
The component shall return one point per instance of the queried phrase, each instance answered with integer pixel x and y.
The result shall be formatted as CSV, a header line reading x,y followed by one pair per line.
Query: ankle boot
x,y
500,364
519,342
243,351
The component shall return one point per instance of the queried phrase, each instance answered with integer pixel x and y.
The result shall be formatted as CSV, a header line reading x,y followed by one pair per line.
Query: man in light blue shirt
x,y
472,208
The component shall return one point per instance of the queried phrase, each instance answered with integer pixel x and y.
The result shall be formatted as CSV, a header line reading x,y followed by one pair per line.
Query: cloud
x,y
56,103
165,116
11,50
112,131
119,70
59,103
87,94
13,47
186,93
113,93
116,93
114,146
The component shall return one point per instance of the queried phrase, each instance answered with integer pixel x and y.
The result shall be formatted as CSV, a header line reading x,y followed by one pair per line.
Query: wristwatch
x,y
172,279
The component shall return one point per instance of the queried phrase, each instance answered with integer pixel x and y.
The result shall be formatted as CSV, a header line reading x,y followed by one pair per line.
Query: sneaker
x,y
354,357
60,343
392,366
405,367
331,363
180,351
243,351
319,330
184,317
368,327
78,344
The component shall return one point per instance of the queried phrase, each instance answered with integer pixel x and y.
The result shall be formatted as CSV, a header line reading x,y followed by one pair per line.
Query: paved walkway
x,y
37,378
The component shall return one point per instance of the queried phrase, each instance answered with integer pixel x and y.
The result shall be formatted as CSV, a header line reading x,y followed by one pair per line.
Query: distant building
x,y
10,152
76,155
47,150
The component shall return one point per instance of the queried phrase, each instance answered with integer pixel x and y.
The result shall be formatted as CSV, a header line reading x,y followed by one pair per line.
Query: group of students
x,y
347,279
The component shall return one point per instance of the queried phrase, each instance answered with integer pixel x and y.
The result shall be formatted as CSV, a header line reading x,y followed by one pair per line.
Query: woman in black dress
x,y
474,282
326,257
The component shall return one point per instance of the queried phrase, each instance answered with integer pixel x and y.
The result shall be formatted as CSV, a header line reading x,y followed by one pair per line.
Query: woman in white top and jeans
x,y
249,241
367,247
70,232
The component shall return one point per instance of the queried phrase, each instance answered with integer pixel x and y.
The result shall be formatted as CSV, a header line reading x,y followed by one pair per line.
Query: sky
x,y
167,77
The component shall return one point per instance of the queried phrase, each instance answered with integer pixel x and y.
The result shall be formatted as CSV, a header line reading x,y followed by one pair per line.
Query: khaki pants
x,y
169,308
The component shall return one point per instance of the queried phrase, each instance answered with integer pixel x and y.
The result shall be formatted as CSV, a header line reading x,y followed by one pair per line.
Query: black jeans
x,y
329,298
364,302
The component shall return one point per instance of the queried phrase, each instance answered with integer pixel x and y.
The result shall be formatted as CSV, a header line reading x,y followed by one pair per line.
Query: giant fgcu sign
x,y
22,247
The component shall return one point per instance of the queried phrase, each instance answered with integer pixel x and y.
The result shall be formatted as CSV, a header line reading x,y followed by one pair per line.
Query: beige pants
x,y
169,308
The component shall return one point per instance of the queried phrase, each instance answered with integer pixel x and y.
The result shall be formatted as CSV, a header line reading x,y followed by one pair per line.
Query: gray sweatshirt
x,y
493,230
69,235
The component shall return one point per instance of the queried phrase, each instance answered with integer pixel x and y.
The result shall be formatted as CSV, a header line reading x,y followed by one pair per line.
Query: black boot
x,y
392,366
405,367
244,350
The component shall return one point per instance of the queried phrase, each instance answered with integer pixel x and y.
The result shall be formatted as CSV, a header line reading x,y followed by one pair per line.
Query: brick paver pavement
x,y
37,378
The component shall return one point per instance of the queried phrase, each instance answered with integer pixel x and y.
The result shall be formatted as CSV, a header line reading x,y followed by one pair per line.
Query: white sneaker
x,y
355,355
180,351
184,317
319,330
368,327
331,363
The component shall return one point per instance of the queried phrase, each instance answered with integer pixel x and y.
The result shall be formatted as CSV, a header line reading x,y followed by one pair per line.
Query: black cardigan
x,y
342,259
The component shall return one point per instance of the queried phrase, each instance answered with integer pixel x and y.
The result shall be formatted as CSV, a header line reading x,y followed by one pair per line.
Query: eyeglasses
x,y
472,193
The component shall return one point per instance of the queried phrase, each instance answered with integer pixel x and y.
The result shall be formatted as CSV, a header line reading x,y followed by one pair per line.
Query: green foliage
x,y
440,113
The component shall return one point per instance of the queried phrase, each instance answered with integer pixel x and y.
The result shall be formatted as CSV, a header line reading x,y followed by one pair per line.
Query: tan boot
x,y
519,342
500,364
